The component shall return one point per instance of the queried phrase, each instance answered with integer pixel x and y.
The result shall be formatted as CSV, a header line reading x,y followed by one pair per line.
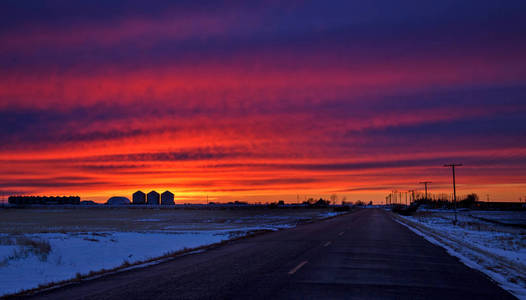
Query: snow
x,y
79,253
82,253
507,217
7,250
329,214
497,251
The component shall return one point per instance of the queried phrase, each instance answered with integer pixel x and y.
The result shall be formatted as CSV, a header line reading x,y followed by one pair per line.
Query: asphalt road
x,y
360,255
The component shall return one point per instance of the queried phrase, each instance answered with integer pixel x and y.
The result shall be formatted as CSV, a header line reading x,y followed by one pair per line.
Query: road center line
x,y
297,267
340,234
327,244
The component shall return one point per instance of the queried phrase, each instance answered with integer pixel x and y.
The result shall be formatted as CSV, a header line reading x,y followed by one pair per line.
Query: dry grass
x,y
25,247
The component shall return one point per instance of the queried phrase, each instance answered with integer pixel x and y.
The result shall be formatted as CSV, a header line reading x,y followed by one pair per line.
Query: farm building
x,y
153,198
118,200
139,197
167,198
88,202
46,200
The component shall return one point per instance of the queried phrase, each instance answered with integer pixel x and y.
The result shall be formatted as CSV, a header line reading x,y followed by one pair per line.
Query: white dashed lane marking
x,y
297,267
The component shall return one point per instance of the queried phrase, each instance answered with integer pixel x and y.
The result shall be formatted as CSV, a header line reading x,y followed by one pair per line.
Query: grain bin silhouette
x,y
153,198
118,200
167,198
139,197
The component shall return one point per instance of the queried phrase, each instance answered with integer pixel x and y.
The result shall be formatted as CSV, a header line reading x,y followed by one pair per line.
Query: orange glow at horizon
x,y
265,104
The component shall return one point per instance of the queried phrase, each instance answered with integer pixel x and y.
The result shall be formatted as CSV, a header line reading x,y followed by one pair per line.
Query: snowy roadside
x,y
500,254
73,255
29,261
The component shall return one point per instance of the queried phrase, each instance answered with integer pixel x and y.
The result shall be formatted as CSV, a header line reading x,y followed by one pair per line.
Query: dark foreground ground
x,y
361,255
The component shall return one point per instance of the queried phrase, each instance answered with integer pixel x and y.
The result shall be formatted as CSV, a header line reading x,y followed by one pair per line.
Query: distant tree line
x,y
469,201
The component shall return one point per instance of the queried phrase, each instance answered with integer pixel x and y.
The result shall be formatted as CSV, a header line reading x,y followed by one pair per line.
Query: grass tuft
x,y
26,247
125,264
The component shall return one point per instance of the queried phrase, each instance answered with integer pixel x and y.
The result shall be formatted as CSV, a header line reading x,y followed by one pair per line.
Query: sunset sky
x,y
262,101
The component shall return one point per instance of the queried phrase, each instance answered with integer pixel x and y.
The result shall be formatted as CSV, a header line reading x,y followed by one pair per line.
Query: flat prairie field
x,y
82,219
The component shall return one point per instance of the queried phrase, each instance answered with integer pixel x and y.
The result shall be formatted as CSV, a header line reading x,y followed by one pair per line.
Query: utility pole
x,y
405,198
452,166
412,196
425,183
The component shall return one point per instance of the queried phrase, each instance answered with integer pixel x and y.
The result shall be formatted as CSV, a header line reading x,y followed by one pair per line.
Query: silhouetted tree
x,y
333,198
469,201
322,203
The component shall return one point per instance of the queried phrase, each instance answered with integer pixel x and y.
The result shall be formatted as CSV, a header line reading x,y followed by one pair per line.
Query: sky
x,y
262,101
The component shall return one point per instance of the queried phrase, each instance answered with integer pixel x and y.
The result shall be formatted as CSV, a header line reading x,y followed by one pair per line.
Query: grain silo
x,y
167,198
139,197
153,198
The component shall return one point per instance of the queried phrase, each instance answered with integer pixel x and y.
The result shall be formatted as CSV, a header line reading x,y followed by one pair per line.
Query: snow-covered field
x,y
498,251
33,258
506,217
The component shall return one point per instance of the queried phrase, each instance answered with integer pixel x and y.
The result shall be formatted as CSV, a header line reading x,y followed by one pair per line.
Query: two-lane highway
x,y
360,255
